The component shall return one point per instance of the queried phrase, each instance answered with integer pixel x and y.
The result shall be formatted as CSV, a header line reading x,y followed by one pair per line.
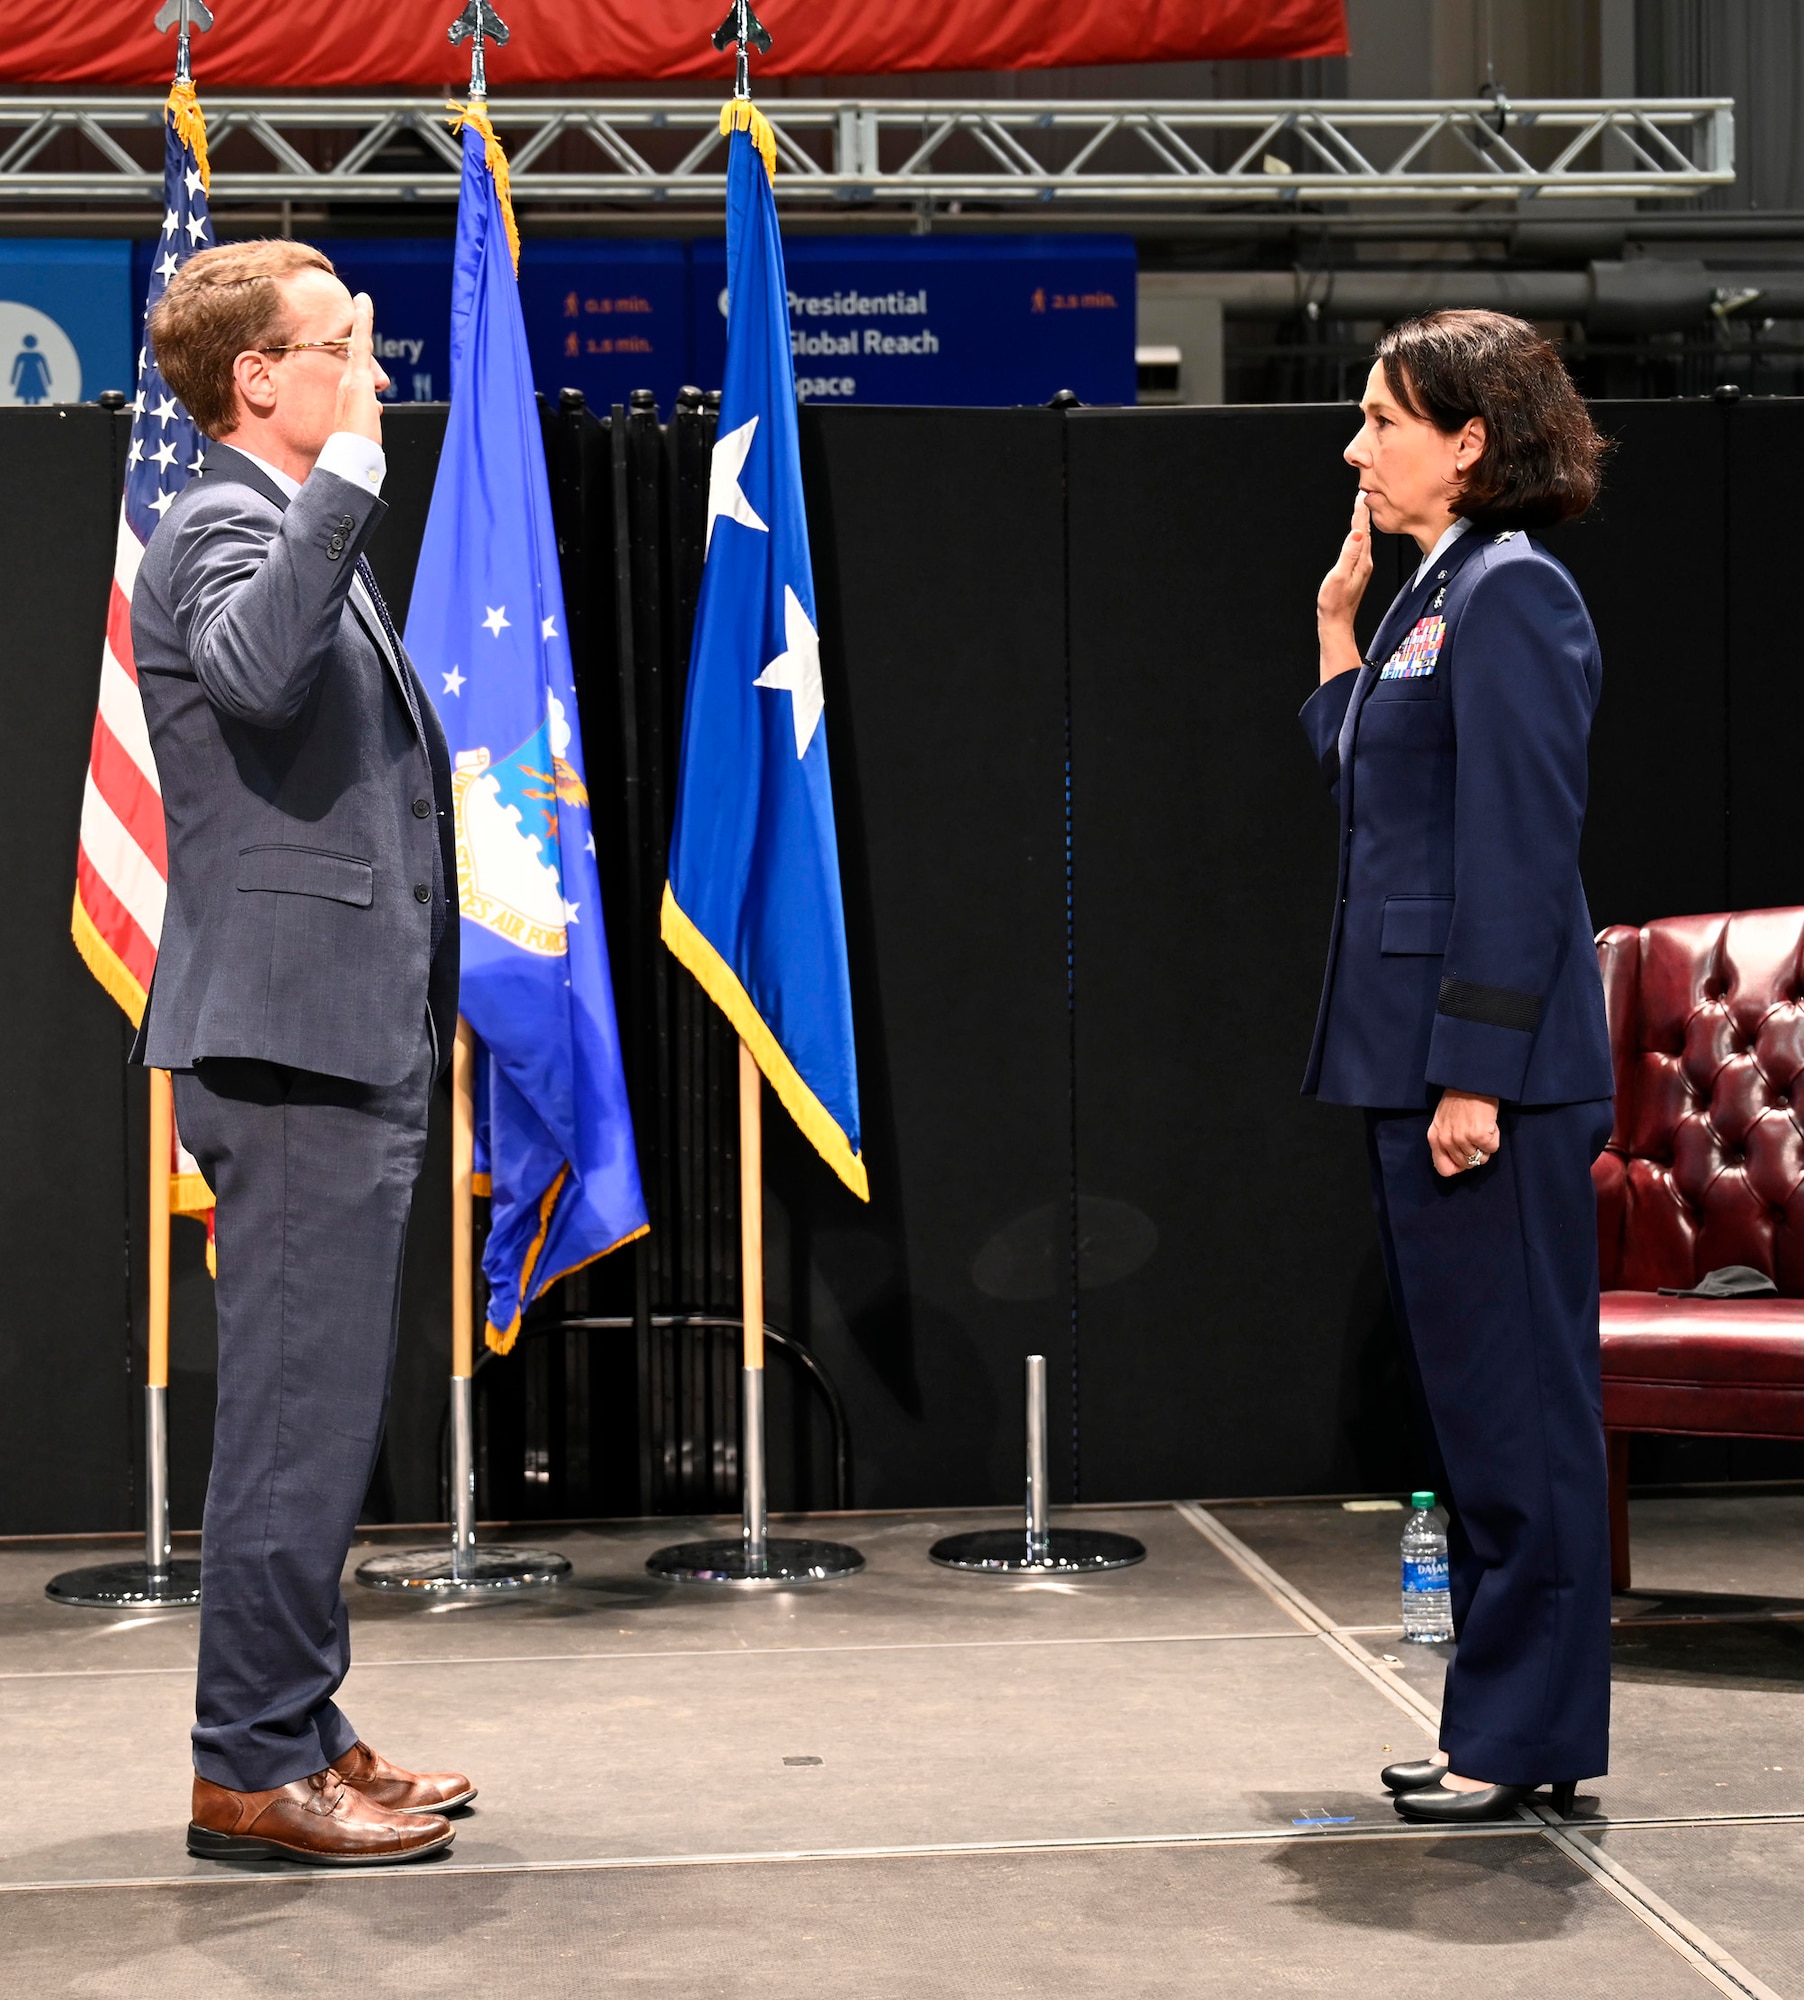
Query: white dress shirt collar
x,y
344,453
1440,549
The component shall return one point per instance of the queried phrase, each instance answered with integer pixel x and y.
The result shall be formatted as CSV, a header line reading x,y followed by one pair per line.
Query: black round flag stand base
x,y
1034,1548
734,1560
129,1586
431,1572
1058,1552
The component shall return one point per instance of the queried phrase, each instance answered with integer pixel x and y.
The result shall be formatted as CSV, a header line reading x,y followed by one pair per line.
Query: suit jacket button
x,y
422,808
422,893
346,524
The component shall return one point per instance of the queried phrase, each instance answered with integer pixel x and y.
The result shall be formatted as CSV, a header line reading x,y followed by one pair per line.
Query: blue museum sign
x,y
987,320
962,319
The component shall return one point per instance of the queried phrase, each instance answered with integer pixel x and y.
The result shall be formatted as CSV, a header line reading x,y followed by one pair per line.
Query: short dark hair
x,y
221,302
1543,457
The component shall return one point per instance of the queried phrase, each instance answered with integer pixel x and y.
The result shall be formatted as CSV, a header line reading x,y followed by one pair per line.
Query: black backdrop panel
x,y
1651,559
69,1412
1764,565
1232,1323
937,542
1234,1334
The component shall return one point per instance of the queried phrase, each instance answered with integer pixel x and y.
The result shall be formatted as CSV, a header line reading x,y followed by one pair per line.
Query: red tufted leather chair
x,y
1705,1167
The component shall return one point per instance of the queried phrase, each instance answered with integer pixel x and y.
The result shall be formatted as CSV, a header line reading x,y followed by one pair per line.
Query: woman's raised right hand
x,y
1338,599
1345,584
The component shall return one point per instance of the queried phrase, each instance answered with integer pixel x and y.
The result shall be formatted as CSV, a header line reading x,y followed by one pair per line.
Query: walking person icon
x,y
31,372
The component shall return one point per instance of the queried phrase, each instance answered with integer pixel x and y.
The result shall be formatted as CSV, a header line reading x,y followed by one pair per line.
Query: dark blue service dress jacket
x,y
1462,955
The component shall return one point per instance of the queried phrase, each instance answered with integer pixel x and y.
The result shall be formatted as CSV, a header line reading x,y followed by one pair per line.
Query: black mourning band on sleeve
x,y
1490,1006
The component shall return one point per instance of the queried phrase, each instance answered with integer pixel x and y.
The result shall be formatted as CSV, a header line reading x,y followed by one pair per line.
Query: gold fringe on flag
x,y
477,118
721,983
105,963
742,113
183,110
501,1338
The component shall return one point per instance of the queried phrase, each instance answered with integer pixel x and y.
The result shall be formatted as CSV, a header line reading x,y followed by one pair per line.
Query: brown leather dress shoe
x,y
386,1784
319,1819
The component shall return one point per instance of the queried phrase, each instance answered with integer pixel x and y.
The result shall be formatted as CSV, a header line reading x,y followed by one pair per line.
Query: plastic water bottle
x,y
1427,1607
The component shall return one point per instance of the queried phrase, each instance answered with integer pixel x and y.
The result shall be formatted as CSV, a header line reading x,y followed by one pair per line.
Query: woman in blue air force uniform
x,y
1462,1010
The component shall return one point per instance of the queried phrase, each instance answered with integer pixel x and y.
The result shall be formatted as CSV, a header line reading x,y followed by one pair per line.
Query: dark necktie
x,y
367,577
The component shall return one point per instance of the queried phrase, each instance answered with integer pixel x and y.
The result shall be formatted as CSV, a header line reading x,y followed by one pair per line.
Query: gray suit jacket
x,y
306,789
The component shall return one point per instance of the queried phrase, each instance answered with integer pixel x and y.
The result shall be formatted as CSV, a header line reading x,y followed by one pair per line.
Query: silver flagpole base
x,y
751,1557
133,1585
156,1581
781,1561
1034,1548
462,1567
438,1572
1060,1552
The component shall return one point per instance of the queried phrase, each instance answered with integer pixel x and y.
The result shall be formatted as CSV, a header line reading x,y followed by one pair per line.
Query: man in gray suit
x,y
305,998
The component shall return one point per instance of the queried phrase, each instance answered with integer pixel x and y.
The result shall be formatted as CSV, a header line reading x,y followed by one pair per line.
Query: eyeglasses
x,y
342,346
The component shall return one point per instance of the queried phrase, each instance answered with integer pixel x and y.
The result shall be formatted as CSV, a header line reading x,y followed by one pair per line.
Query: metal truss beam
x,y
846,153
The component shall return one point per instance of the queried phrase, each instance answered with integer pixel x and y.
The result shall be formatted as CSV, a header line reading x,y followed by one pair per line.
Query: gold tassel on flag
x,y
185,114
743,115
476,116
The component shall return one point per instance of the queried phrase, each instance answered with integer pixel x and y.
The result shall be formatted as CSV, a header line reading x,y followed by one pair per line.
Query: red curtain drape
x,y
258,45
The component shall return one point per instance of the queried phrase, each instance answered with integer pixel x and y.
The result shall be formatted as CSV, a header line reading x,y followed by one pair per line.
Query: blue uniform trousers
x,y
1493,1275
314,1177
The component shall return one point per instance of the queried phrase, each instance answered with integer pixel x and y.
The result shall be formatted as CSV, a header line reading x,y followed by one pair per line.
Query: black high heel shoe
x,y
1411,1777
1437,1806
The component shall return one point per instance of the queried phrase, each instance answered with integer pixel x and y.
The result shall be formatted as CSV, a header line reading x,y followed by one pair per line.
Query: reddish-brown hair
x,y
220,304
1543,458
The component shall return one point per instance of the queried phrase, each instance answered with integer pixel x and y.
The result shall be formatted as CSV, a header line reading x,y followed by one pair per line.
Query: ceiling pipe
x,y
1646,295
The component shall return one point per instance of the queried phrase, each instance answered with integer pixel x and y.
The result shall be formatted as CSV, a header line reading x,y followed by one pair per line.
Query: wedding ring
x,y
1476,1159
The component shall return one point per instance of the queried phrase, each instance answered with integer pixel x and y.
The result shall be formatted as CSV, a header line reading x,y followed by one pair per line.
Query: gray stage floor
x,y
920,1784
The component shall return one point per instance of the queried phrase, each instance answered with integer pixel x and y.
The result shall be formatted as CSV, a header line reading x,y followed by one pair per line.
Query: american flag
x,y
122,864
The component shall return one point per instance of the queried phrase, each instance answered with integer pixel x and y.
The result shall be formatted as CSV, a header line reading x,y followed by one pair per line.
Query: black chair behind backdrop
x,y
1087,870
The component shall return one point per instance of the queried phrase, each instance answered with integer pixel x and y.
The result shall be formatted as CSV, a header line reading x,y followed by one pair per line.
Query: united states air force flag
x,y
554,1138
753,906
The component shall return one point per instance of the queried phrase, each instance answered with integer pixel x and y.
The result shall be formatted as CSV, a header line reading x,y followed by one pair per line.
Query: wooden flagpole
x,y
162,1168
751,1266
156,1376
463,1203
156,1580
464,1567
463,1298
755,1558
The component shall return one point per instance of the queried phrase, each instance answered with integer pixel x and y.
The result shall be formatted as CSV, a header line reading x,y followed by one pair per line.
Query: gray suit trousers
x,y
314,1177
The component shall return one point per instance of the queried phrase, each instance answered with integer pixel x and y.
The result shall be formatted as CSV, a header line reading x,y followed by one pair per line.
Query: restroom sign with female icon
x,y
38,361
67,329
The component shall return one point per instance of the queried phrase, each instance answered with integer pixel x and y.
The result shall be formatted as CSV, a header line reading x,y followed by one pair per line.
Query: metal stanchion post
x,y
1035,1548
463,1565
157,1579
754,1558
1037,1496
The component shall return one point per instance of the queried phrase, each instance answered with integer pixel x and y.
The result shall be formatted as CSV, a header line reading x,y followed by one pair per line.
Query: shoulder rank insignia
x,y
1508,535
1416,657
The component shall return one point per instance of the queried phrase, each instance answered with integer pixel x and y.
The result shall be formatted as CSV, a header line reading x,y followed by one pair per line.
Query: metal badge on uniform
x,y
1416,657
1438,599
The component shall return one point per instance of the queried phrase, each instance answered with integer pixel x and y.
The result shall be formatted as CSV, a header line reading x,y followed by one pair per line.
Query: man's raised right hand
x,y
358,409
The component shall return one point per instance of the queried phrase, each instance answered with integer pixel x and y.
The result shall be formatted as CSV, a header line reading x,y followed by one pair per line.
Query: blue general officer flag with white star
x,y
753,904
554,1136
